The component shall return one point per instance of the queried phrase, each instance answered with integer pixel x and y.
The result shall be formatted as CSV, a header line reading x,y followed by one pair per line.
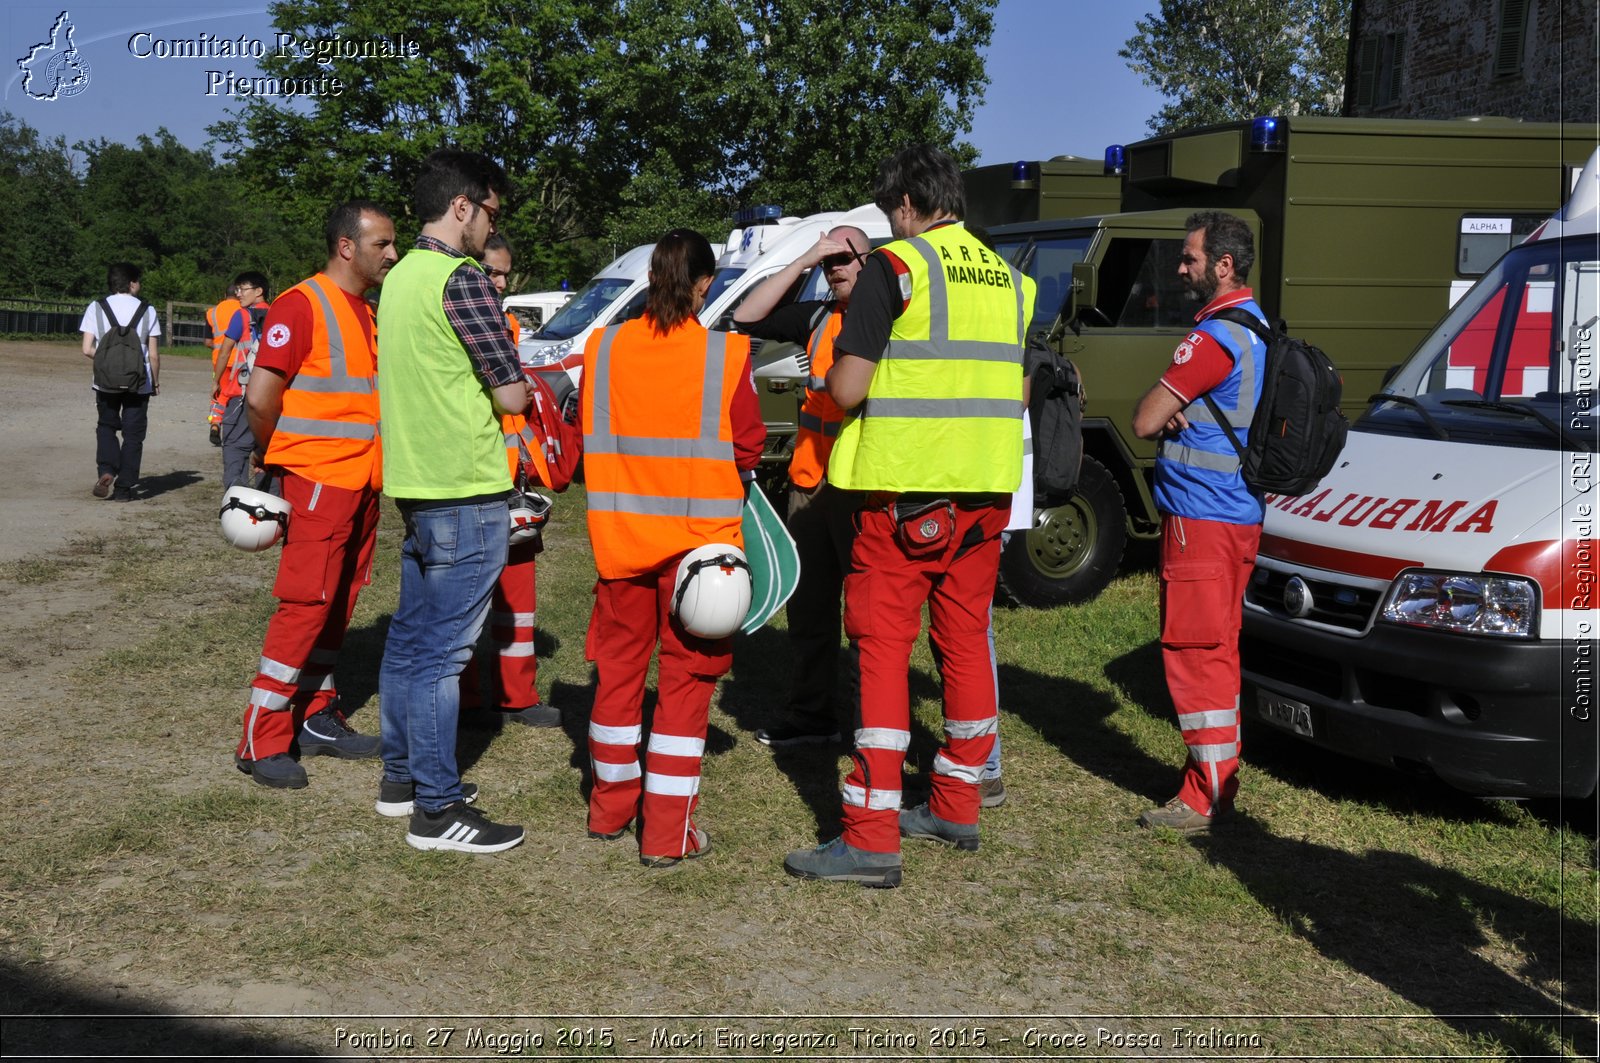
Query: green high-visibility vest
x,y
943,412
441,435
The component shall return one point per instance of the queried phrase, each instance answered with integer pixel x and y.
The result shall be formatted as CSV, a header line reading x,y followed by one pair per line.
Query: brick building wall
x,y
1453,55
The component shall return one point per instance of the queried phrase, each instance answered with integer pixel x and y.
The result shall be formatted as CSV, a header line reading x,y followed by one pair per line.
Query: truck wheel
x,y
1073,550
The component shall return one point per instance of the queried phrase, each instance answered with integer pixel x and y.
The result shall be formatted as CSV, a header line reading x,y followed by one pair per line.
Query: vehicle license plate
x,y
1281,712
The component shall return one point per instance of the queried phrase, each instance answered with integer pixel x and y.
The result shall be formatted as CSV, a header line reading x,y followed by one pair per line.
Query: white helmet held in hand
x,y
713,591
253,520
529,512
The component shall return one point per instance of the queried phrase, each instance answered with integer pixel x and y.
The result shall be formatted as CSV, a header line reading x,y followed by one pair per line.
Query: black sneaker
x,y
327,734
215,435
122,494
462,829
541,715
396,799
278,771
789,736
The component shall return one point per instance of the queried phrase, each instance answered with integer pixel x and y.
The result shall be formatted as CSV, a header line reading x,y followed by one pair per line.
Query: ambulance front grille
x,y
1336,605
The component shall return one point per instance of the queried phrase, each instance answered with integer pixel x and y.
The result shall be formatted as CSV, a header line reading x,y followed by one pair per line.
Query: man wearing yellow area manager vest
x,y
929,367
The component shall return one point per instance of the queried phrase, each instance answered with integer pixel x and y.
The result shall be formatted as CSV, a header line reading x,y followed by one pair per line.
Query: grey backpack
x,y
119,357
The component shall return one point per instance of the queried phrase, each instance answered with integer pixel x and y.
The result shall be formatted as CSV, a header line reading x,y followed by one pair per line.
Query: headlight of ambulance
x,y
1468,604
548,355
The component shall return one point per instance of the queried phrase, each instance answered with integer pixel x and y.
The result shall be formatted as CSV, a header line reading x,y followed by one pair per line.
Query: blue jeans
x,y
449,564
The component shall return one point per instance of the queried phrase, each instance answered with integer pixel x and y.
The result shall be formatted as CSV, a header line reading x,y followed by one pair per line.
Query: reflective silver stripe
x,y
311,681
268,699
627,735
969,773
1213,754
812,423
1027,446
939,298
952,350
512,619
513,648
881,800
661,447
676,745
1010,409
1194,721
513,439
883,738
1199,459
607,772
656,506
283,673
711,385
316,426
817,383
971,728
250,731
671,785
332,385
815,345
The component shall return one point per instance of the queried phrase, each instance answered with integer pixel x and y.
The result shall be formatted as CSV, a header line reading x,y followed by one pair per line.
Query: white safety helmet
x,y
529,512
253,520
713,591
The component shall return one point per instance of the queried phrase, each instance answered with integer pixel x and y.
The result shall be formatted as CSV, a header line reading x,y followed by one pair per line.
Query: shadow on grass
x,y
151,486
1418,929
46,1020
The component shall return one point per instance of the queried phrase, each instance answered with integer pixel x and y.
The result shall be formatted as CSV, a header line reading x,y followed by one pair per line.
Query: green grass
x,y
1338,890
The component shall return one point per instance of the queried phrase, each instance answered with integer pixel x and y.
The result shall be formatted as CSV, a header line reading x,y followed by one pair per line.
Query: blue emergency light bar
x,y
765,214
1266,134
1024,174
1116,160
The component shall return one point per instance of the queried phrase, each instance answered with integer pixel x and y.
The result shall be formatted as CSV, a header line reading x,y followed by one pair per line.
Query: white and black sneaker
x,y
461,828
395,799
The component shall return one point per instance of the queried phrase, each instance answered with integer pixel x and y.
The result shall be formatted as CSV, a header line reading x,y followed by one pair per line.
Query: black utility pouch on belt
x,y
923,528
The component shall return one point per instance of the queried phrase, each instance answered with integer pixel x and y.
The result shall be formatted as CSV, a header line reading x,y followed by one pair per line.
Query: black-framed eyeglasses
x,y
493,212
842,259
492,272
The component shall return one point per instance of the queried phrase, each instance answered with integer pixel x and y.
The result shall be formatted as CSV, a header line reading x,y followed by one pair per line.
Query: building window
x,y
1513,33
1379,64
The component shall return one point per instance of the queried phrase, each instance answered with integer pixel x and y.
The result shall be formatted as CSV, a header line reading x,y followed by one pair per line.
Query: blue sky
x,y
1056,83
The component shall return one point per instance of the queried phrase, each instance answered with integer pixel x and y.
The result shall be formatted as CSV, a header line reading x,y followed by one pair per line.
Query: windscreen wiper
x,y
1422,411
1526,410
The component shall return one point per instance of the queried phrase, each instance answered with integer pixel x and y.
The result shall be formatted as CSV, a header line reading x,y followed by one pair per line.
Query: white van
x,y
533,309
615,295
1431,606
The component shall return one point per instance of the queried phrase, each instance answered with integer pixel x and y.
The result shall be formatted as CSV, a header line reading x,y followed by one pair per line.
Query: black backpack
x,y
1298,429
1055,413
119,356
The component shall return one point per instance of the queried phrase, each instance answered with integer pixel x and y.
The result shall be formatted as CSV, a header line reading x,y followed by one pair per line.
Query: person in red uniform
x,y
1210,519
819,514
513,609
671,427
313,406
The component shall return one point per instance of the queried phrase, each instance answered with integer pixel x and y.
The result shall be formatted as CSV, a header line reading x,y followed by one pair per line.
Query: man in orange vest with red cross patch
x,y
313,406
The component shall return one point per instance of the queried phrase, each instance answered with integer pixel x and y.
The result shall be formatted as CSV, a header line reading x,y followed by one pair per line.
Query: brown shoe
x,y
102,486
991,792
1175,815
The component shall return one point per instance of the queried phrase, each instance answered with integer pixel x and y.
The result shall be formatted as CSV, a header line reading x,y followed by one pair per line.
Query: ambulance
x,y
533,309
1431,605
616,294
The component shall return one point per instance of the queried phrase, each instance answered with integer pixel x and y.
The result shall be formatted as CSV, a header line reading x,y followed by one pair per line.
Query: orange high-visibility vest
x,y
229,382
658,443
820,416
515,328
217,318
328,430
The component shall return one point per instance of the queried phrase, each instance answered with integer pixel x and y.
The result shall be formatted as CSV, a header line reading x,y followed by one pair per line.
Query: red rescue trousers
x,y
1205,565
513,612
326,560
883,597
630,617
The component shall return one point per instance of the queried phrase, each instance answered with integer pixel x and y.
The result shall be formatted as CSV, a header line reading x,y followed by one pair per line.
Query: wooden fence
x,y
182,324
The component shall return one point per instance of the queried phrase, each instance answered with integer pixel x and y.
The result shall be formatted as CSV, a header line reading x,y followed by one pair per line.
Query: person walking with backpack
x,y
236,357
119,335
1210,518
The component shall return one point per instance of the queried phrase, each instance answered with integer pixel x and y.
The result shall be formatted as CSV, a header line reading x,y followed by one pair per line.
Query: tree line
x,y
614,122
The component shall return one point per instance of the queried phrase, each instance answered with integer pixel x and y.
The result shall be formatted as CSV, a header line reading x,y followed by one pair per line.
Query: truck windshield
x,y
1048,259
580,313
1514,363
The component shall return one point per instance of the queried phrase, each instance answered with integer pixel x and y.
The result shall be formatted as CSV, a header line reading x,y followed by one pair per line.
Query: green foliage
x,y
1222,60
39,199
616,120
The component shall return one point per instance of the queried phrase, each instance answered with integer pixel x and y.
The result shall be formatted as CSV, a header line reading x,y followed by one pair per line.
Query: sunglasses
x,y
842,259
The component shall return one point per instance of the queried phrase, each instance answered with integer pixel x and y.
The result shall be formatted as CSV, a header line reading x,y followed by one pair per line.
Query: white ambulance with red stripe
x,y
1431,605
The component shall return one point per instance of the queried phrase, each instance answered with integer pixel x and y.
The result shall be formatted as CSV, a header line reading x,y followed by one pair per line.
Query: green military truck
x,y
1363,226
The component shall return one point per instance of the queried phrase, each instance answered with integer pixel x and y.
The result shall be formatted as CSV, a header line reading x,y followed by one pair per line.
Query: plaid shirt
x,y
473,309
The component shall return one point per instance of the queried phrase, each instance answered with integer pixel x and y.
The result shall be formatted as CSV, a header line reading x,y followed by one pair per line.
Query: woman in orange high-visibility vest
x,y
670,425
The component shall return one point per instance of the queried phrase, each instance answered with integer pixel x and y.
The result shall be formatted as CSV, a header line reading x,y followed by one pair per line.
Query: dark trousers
x,y
128,415
820,522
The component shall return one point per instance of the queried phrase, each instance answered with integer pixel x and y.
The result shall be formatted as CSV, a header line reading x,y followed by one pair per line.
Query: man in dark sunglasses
x,y
819,516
